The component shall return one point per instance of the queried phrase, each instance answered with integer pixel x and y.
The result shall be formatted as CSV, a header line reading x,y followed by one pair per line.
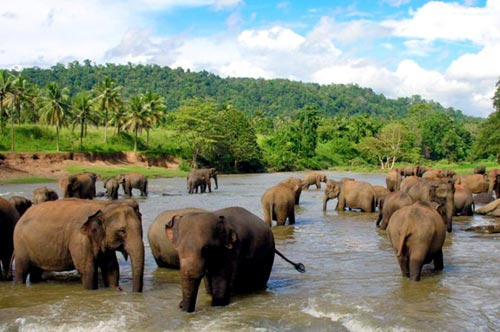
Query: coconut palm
x,y
82,113
55,104
156,107
19,95
136,116
6,82
108,100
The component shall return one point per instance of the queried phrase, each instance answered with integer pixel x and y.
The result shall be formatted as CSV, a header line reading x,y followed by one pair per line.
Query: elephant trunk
x,y
325,200
190,287
135,250
215,179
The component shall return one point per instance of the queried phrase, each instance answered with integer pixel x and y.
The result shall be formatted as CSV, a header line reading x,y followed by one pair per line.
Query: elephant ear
x,y
228,237
171,231
94,229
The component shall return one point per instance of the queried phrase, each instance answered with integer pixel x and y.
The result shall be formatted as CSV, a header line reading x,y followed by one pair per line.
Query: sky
x,y
445,51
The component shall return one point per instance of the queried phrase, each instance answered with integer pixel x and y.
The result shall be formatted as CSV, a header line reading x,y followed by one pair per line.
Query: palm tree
x,y
108,100
136,116
55,103
82,113
155,111
19,95
6,80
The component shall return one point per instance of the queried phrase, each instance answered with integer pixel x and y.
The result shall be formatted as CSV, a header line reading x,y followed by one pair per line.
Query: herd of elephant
x,y
231,249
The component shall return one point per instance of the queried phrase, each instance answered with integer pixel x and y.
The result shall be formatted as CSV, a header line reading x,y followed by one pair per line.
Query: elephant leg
x,y
438,261
89,278
404,266
416,268
291,217
190,287
110,270
22,267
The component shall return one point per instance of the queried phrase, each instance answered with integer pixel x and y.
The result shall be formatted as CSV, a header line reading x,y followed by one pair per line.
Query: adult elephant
x,y
8,219
393,202
232,248
494,182
296,185
162,249
408,171
476,183
111,185
196,182
352,194
393,180
278,203
440,192
88,235
133,181
79,185
208,174
313,178
20,203
417,234
44,194
381,193
408,182
463,201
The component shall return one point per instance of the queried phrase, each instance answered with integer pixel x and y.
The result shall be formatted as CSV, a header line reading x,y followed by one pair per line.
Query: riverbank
x,y
52,166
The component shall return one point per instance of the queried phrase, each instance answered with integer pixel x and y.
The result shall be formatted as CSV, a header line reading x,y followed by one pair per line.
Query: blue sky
x,y
445,51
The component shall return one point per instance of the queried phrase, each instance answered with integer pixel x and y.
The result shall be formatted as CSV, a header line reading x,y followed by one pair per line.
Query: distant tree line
x,y
243,124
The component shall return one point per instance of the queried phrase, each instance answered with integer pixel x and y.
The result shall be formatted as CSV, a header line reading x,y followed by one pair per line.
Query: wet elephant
x,y
232,248
89,234
393,202
296,185
111,185
208,174
162,249
79,185
44,194
463,201
133,181
417,234
441,192
313,178
494,182
8,219
20,203
476,183
393,180
381,193
408,182
350,194
196,182
278,203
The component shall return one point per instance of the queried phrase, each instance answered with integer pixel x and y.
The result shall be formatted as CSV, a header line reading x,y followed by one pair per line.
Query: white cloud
x,y
485,64
276,39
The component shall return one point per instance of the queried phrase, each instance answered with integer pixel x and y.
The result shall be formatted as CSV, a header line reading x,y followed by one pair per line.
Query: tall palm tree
x,y
55,103
6,81
82,113
136,116
156,107
108,100
19,95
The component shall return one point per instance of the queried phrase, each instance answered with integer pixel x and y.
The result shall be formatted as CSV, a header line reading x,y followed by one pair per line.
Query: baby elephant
x,y
417,233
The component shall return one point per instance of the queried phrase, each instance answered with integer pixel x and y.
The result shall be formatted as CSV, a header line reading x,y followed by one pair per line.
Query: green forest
x,y
234,124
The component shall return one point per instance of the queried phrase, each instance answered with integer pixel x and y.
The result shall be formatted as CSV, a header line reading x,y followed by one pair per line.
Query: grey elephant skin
x,y
350,194
313,178
278,203
8,219
20,203
417,233
111,185
80,234
162,249
463,201
476,183
44,194
133,181
393,202
232,248
79,185
393,180
296,185
200,180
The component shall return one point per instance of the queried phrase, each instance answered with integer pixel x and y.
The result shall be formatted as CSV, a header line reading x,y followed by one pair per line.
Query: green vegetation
x,y
234,124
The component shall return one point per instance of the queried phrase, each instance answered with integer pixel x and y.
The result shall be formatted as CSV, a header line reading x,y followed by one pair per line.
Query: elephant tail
x,y
298,266
404,233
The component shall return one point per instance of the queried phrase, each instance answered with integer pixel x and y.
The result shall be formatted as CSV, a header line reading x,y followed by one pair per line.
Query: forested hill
x,y
252,96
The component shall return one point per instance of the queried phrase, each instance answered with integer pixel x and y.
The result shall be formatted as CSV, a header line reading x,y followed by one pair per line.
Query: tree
x,y
82,113
108,100
136,116
19,95
6,83
55,103
155,106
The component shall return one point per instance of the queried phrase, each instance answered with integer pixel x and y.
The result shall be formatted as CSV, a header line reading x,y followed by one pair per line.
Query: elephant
x,y
313,178
476,183
406,171
494,181
434,174
8,219
352,194
111,185
296,185
490,209
381,193
20,203
480,170
393,180
80,234
79,185
393,202
196,181
463,201
278,203
441,192
417,234
133,180
232,248
408,182
161,247
209,173
44,194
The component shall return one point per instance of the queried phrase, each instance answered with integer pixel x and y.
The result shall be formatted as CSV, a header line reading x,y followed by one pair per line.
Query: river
x,y
352,283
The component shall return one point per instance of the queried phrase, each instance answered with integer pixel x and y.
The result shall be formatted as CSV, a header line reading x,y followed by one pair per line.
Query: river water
x,y
353,281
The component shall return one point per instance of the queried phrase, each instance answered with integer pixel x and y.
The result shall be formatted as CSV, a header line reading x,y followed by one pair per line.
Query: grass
x,y
26,180
109,171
